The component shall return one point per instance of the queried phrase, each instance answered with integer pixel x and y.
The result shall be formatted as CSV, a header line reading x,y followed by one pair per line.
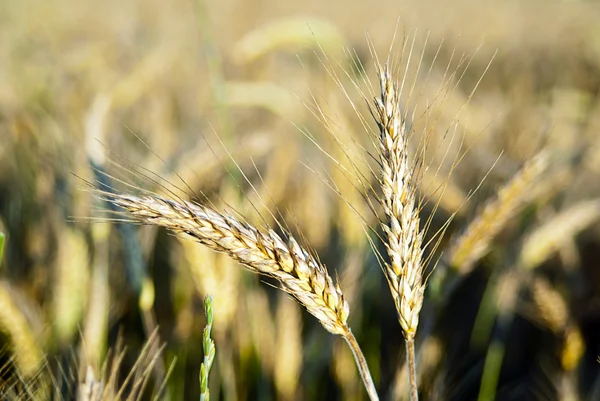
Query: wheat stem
x,y
208,345
361,363
412,369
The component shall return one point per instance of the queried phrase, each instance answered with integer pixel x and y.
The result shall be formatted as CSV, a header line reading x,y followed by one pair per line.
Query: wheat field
x,y
299,200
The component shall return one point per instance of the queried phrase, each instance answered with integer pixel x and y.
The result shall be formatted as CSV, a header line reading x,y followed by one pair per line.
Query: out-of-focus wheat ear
x,y
552,311
550,306
573,348
296,33
549,236
27,356
404,245
474,242
264,252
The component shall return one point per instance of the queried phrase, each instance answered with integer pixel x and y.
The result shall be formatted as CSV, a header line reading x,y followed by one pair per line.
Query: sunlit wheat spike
x,y
299,273
404,236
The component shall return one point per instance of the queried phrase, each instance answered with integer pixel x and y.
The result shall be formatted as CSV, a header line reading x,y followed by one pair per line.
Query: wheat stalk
x,y
299,272
404,244
208,345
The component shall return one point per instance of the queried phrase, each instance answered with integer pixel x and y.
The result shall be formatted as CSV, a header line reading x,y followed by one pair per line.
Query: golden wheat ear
x,y
261,251
402,228
404,272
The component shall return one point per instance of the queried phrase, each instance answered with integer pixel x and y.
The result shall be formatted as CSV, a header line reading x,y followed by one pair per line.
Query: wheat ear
x,y
299,273
404,273
552,311
476,239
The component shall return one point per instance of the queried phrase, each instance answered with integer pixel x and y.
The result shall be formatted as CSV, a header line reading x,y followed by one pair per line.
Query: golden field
x,y
263,110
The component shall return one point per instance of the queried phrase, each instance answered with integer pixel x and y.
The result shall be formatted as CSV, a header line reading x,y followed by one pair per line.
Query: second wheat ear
x,y
404,272
263,252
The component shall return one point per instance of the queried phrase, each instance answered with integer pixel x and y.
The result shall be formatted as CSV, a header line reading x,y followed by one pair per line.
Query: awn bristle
x,y
299,273
405,239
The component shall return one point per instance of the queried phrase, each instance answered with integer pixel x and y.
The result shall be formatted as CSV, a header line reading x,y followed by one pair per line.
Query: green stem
x,y
491,371
209,350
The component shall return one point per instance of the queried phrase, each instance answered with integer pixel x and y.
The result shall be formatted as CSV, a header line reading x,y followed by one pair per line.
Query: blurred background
x,y
184,88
